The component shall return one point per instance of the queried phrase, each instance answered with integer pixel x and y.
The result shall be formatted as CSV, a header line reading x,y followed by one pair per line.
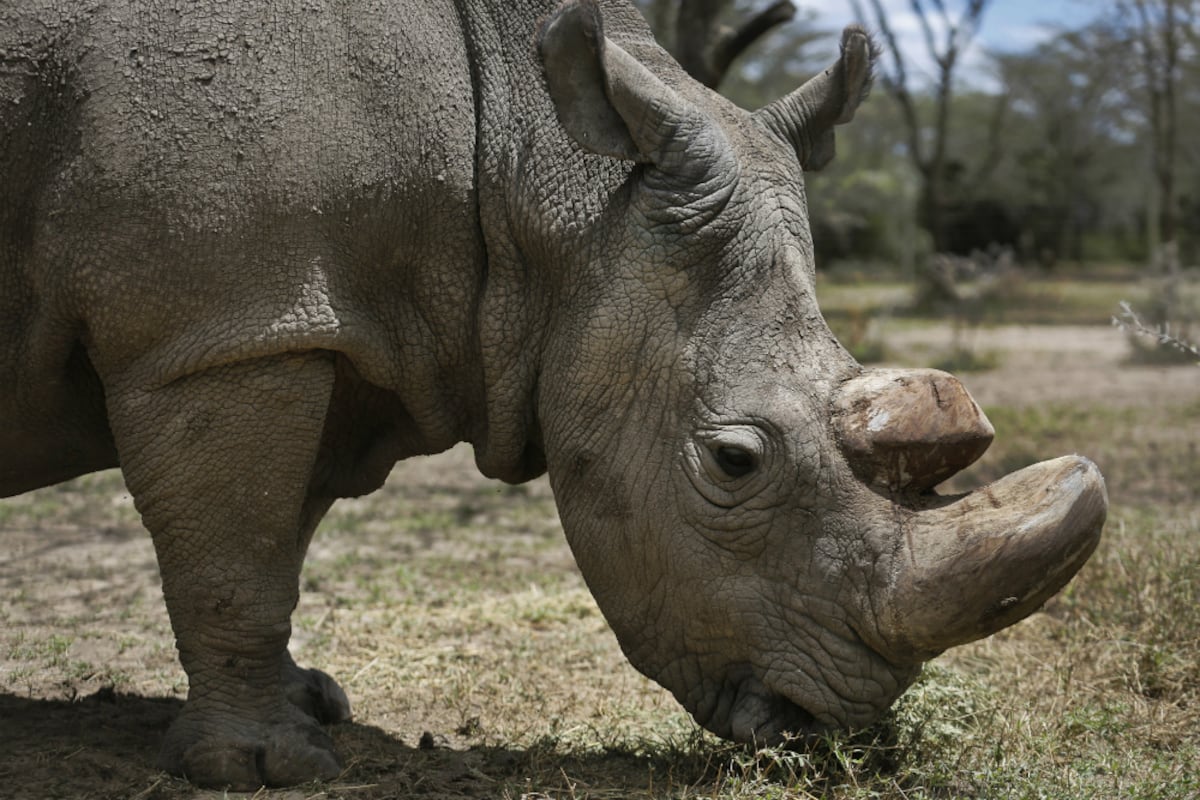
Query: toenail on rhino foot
x,y
284,756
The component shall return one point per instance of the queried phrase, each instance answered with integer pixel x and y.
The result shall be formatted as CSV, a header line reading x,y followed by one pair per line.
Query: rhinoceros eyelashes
x,y
734,461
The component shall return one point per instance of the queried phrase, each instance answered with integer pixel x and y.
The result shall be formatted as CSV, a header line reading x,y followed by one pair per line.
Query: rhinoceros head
x,y
752,510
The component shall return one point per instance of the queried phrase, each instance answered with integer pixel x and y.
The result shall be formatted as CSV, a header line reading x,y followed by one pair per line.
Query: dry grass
x,y
450,609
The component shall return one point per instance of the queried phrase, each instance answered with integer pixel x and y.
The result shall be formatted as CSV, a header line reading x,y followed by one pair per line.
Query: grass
x,y
1098,697
1150,453
1020,300
863,315
451,611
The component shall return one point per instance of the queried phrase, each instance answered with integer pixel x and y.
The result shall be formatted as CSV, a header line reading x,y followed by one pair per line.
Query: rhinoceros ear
x,y
807,116
573,46
611,104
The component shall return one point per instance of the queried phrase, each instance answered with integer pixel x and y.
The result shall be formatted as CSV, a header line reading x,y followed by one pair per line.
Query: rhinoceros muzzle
x,y
764,717
965,566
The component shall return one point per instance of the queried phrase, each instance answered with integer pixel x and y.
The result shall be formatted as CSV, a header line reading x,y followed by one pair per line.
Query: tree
x,y
1065,139
1157,31
928,144
706,46
707,36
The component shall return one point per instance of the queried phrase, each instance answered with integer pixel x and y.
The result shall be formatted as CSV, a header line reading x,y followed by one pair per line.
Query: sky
x,y
1008,25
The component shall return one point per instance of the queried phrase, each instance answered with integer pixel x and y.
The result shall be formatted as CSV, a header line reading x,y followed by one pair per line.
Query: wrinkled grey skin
x,y
253,254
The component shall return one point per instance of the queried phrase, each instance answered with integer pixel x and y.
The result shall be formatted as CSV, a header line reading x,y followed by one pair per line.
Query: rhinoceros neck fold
x,y
539,197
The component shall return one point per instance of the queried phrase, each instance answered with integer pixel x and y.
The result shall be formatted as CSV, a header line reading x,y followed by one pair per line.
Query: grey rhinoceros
x,y
254,253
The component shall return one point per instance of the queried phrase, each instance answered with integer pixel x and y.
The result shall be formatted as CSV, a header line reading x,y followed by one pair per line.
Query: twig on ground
x,y
1130,322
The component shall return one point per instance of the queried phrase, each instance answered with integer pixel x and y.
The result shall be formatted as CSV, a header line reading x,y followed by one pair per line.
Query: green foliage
x,y
864,215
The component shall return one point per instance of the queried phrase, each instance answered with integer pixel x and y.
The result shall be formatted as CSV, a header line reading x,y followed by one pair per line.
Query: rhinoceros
x,y
255,253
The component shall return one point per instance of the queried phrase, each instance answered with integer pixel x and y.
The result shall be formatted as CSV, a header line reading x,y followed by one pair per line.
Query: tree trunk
x,y
1159,42
928,154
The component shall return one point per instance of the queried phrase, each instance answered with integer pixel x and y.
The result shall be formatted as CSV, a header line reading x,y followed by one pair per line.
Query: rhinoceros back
x,y
192,184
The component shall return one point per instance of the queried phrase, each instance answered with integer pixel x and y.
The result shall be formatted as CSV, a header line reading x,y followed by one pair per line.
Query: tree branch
x,y
969,23
897,83
695,26
926,28
733,42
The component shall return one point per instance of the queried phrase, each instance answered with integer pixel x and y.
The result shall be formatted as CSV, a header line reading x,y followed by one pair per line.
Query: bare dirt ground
x,y
448,606
1040,364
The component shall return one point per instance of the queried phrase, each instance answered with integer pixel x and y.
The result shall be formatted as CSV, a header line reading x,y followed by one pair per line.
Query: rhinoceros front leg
x,y
219,464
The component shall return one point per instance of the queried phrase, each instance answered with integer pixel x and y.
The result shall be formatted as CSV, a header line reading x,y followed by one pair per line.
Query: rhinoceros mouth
x,y
770,719
749,712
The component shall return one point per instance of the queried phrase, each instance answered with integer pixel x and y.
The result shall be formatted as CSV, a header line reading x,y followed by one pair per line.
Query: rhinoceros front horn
x,y
971,565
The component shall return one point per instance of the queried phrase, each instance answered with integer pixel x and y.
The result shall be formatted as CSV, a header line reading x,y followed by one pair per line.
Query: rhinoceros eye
x,y
734,461
728,463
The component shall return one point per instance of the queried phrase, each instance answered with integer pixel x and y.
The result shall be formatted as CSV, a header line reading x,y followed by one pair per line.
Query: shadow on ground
x,y
104,746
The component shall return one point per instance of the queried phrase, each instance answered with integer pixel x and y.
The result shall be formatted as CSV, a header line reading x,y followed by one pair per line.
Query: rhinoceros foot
x,y
220,750
315,693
